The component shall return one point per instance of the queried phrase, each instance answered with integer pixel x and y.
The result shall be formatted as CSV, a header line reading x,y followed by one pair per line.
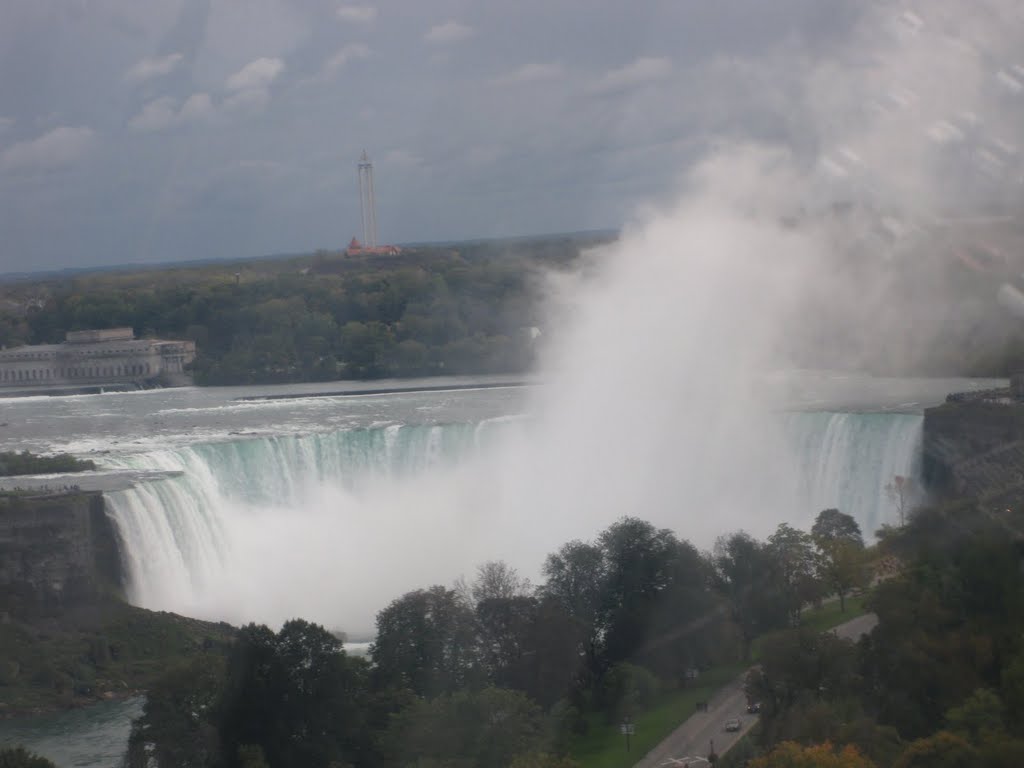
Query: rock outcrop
x,y
57,551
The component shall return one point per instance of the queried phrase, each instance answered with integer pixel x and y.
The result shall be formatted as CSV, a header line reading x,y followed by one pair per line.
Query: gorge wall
x,y
57,551
974,448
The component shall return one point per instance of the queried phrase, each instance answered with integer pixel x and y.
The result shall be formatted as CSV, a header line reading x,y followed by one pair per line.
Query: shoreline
x,y
394,390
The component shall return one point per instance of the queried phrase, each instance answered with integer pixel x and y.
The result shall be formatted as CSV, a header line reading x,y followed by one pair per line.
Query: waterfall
x,y
847,459
331,526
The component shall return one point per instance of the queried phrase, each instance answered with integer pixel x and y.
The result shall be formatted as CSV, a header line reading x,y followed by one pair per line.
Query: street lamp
x,y
627,729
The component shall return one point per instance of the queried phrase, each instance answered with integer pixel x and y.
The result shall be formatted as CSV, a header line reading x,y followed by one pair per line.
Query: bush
x,y
19,757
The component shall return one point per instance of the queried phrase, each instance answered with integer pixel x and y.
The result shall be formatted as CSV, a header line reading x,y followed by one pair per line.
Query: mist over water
x,y
659,365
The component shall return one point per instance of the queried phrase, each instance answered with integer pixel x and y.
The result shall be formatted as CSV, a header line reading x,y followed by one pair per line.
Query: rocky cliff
x,y
974,448
57,551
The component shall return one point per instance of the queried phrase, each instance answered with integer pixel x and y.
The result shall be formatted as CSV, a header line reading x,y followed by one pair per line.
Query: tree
x,y
831,525
841,563
981,715
485,729
638,571
497,579
746,575
796,564
426,642
800,664
789,754
19,757
295,695
902,491
505,626
575,577
940,750
178,722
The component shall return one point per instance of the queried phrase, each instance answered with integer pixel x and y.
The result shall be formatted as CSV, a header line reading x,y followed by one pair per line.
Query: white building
x,y
111,357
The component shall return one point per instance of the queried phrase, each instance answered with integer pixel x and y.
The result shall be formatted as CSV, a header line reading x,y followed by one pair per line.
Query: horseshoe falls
x,y
333,526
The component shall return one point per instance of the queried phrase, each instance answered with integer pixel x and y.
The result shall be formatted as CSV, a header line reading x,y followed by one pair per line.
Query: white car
x,y
733,724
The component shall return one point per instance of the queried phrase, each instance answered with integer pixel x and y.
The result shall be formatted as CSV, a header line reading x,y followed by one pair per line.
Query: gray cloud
x,y
448,32
644,69
155,115
57,148
259,73
151,67
357,14
534,73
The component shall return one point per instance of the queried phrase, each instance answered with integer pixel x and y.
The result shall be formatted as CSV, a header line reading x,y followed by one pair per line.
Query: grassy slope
x,y
113,651
604,747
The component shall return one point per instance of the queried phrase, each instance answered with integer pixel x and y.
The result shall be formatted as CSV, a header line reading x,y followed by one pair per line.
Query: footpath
x,y
689,744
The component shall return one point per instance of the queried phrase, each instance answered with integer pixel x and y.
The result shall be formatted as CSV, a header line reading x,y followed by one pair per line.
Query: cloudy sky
x,y
191,129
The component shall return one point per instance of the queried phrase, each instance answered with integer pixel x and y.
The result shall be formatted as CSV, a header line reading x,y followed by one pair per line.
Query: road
x,y
693,738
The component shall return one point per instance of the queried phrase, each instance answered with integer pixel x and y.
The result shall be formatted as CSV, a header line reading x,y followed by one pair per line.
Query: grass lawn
x,y
829,616
604,747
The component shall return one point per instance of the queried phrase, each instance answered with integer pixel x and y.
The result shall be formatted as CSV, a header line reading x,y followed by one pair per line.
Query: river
x,y
263,503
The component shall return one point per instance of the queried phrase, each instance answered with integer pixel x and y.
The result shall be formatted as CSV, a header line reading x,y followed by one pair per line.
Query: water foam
x,y
332,526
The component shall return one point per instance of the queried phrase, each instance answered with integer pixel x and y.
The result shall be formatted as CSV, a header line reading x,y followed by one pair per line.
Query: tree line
x,y
469,309
939,683
496,671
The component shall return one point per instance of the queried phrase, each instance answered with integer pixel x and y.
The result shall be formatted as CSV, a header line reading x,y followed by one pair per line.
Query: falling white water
x,y
332,526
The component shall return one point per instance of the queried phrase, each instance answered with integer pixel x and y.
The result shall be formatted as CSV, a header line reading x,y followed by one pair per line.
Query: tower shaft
x,y
367,202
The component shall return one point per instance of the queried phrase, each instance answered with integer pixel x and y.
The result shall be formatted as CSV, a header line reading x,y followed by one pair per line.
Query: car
x,y
732,725
754,707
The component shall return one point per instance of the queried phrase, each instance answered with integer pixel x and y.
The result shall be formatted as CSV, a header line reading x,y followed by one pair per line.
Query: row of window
x,y
91,372
50,355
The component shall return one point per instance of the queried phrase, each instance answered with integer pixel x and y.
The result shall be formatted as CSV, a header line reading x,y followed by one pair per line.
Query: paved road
x,y
694,736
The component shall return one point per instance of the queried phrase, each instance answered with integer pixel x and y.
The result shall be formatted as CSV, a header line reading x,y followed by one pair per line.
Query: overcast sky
x,y
190,129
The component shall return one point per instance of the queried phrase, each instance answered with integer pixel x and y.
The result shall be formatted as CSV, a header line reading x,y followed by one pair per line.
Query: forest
x,y
486,307
473,308
495,671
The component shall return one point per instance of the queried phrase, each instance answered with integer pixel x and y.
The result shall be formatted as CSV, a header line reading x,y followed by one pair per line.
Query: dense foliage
x,y
26,463
465,310
939,681
491,672
17,757
498,672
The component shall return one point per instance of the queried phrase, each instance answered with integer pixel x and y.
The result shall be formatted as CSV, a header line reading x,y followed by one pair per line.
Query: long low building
x,y
97,359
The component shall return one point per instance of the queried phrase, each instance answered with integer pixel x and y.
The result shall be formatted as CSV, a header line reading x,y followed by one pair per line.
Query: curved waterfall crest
x,y
256,528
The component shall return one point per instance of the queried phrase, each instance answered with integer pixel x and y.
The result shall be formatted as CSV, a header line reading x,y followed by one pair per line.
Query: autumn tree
x,y
792,755
789,754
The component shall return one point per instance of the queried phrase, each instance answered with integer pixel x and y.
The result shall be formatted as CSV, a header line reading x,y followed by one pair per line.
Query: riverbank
x,y
97,652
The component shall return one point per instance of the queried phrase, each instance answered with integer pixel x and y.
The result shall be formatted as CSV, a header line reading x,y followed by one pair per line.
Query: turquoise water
x,y
90,737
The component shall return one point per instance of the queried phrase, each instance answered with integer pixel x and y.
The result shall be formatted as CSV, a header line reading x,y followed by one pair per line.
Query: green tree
x,y
19,757
296,695
639,570
178,722
842,562
426,642
485,729
746,574
831,525
800,664
980,716
796,564
575,577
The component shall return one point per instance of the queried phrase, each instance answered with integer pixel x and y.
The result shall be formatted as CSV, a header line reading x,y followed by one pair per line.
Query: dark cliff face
x,y
57,552
975,449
